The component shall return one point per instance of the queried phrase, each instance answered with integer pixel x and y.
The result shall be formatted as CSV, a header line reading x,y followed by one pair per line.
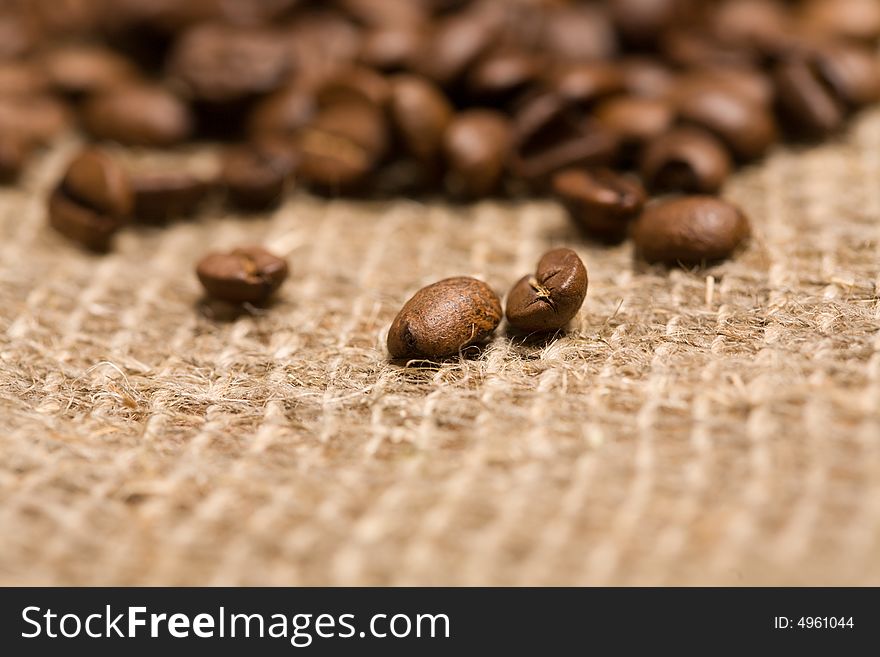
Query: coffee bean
x,y
762,25
137,115
746,127
342,146
14,151
686,160
689,230
475,146
850,19
577,33
283,112
222,63
80,70
500,77
850,71
635,120
646,77
34,119
455,44
160,196
353,85
584,84
22,78
808,106
601,202
643,22
751,84
385,12
392,49
80,223
420,114
686,49
256,175
548,135
244,275
96,180
548,299
442,319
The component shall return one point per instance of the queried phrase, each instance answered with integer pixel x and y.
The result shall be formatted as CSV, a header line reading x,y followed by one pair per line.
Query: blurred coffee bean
x,y
391,49
849,19
475,146
320,43
256,175
548,135
747,128
762,25
690,230
686,160
635,120
500,77
35,119
851,72
454,45
14,151
137,115
220,63
342,146
601,202
93,199
420,115
163,195
644,22
808,107
80,70
646,77
752,84
584,84
248,274
355,84
577,33
695,48
20,78
283,112
380,13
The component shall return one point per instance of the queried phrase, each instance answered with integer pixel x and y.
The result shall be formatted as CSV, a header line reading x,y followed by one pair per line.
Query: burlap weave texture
x,y
687,430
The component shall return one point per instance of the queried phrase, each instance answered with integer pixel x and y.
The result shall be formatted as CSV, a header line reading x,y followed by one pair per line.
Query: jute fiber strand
x,y
687,430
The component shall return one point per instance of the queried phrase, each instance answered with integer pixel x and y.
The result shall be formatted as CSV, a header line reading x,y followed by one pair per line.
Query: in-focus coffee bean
x,y
689,230
442,319
548,299
686,160
600,202
244,275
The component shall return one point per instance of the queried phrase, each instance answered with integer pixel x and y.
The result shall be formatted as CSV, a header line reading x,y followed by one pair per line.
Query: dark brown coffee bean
x,y
244,275
81,224
577,33
80,70
759,24
644,22
18,78
752,84
601,202
342,146
646,77
808,106
686,160
392,49
850,71
355,84
35,119
137,115
694,48
850,19
283,112
14,151
455,44
475,146
548,136
635,120
689,230
548,299
96,180
221,63
420,115
746,127
256,175
502,76
160,196
584,84
442,319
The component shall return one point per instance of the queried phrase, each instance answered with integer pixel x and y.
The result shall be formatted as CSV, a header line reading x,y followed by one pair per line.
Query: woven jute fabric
x,y
719,426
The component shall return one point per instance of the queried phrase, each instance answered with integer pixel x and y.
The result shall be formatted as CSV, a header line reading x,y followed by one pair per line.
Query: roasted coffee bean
x,y
694,48
601,202
584,84
353,85
392,49
80,70
746,127
850,19
646,78
255,175
689,230
759,24
501,77
244,275
442,319
809,108
577,33
635,120
19,79
686,160
378,13
81,224
455,44
14,151
644,22
221,63
751,84
137,115
34,119
160,196
548,299
342,146
283,112
548,136
475,146
96,180
851,72
420,115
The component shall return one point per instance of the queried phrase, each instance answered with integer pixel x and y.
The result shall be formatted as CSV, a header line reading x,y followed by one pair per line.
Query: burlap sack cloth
x,y
687,430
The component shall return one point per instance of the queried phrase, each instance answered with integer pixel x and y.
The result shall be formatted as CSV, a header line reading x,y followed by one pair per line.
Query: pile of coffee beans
x,y
601,104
